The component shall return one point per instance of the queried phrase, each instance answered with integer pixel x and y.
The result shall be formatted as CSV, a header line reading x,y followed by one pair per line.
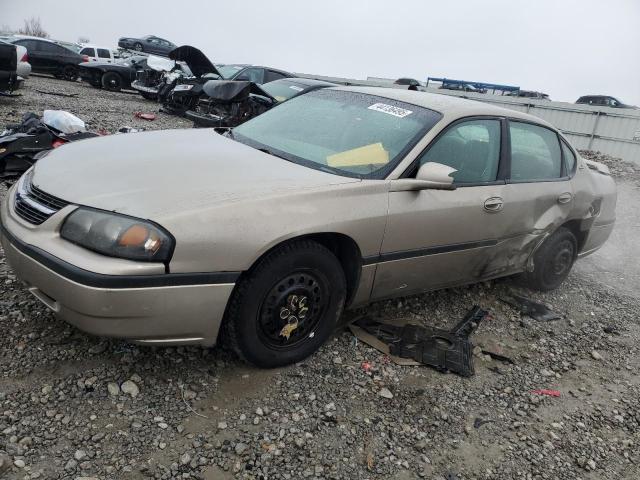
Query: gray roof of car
x,y
448,105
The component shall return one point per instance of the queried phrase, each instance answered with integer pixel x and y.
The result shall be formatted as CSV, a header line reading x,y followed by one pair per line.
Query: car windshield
x,y
228,71
342,132
282,90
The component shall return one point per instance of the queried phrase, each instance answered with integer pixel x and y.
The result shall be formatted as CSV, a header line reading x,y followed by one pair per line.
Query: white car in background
x,y
97,54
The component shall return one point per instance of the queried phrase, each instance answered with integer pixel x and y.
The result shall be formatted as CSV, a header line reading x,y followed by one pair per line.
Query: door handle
x,y
565,197
493,204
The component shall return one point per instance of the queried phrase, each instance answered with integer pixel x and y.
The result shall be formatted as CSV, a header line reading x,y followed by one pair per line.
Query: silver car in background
x,y
333,199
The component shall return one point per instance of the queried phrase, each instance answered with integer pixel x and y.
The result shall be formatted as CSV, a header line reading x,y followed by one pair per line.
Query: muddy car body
x,y
333,199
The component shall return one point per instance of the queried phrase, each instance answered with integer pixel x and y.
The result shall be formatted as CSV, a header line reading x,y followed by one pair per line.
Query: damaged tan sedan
x,y
334,199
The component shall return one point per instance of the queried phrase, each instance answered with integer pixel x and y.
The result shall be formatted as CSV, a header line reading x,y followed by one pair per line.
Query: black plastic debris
x,y
444,350
536,310
22,144
478,422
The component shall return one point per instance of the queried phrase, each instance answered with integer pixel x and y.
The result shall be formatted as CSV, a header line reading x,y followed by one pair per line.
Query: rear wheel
x,y
112,81
287,306
553,261
138,47
70,72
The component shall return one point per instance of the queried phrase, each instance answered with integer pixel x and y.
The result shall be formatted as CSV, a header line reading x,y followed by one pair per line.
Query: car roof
x,y
87,45
30,37
449,105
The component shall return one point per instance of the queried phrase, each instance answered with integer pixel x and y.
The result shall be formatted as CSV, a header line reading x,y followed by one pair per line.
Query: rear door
x,y
153,45
436,238
89,52
36,58
104,55
539,195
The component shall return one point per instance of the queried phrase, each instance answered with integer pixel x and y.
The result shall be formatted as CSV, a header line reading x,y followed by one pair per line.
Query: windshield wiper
x,y
269,152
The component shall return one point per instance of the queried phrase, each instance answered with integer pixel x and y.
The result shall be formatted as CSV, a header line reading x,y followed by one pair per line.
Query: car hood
x,y
197,61
155,174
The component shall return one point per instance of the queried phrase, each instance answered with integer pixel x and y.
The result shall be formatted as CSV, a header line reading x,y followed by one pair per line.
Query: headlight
x,y
118,235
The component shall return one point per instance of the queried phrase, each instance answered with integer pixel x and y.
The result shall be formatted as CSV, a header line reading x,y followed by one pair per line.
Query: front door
x,y
436,238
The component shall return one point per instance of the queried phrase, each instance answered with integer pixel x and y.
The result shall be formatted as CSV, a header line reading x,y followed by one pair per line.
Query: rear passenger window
x,y
103,53
87,51
569,158
535,153
272,75
472,148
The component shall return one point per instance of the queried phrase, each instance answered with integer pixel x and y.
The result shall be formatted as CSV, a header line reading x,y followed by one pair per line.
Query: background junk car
x,y
333,199
225,103
113,76
147,44
46,56
252,73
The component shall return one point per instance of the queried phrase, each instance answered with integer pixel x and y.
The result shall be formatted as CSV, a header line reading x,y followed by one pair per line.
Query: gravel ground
x,y
76,406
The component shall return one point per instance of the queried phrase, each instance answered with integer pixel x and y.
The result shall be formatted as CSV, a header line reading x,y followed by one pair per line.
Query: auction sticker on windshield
x,y
296,88
390,109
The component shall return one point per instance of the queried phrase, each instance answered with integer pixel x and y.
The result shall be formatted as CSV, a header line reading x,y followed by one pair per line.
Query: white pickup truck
x,y
97,54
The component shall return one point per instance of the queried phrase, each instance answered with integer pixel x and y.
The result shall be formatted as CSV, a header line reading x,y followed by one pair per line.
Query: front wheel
x,y
553,261
112,81
138,47
287,305
70,72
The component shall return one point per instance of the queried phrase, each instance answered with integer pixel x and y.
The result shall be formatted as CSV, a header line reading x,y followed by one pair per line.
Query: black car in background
x,y
251,73
46,56
113,76
8,67
602,101
147,44
528,94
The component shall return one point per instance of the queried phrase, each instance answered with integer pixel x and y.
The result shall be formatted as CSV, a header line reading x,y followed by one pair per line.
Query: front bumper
x,y
162,309
143,88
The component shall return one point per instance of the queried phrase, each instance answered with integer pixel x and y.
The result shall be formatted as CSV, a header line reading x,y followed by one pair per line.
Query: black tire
x,y
552,262
137,47
112,81
70,72
274,296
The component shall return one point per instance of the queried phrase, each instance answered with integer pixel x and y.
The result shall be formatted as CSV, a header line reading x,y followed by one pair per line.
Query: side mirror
x,y
430,176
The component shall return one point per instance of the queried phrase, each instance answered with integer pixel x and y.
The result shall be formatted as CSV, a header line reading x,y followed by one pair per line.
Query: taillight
x,y
85,58
57,143
25,58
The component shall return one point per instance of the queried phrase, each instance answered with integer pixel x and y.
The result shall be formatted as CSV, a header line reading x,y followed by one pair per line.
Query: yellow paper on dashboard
x,y
373,154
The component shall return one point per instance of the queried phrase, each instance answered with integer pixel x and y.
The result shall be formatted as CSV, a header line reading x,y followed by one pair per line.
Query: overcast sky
x,y
565,48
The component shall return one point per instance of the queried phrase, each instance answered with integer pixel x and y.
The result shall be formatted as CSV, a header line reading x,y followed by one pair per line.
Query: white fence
x,y
614,131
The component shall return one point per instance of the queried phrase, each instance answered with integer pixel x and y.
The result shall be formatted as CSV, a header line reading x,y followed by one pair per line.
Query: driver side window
x,y
471,147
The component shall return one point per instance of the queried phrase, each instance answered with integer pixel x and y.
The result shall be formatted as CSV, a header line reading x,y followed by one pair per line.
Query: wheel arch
x,y
576,227
344,247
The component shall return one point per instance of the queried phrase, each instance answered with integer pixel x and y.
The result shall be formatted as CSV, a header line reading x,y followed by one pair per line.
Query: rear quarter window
x,y
535,153
569,158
